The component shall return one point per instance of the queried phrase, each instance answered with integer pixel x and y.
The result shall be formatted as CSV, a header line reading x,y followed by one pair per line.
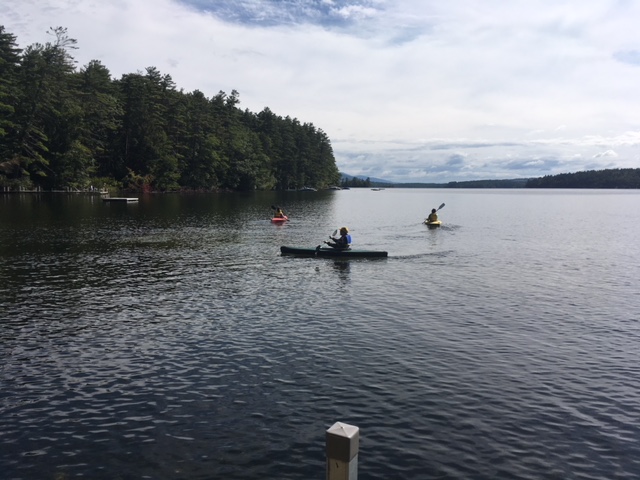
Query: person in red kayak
x,y
279,213
343,241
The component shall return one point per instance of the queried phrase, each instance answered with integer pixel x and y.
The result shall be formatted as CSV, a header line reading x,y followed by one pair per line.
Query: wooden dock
x,y
120,199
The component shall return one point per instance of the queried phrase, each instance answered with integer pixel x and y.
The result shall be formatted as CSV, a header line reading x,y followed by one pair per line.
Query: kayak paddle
x,y
441,206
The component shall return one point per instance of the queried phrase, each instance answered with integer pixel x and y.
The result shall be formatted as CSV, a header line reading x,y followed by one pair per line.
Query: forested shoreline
x,y
623,178
609,178
68,128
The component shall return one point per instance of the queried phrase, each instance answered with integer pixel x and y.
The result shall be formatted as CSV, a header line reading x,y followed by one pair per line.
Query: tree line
x,y
609,178
349,182
511,183
62,127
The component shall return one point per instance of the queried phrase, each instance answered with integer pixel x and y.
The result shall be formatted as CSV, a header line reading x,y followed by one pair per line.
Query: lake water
x,y
169,339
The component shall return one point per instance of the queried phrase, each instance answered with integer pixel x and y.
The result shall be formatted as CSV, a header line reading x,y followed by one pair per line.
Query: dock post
x,y
342,443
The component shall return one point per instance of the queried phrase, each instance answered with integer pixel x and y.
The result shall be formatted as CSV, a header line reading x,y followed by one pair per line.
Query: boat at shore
x,y
321,251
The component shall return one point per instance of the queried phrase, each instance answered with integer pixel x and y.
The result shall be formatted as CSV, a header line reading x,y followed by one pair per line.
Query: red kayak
x,y
279,219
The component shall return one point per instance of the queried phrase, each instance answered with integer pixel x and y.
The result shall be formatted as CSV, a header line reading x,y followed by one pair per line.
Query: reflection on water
x,y
170,339
342,269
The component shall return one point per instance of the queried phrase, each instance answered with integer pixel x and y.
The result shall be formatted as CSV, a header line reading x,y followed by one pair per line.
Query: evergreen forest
x,y
355,182
67,128
609,178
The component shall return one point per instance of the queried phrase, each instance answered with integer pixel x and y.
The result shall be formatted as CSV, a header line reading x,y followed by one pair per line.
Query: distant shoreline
x,y
614,178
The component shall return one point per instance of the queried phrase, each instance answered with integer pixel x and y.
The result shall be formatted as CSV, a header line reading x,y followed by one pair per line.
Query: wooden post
x,y
342,442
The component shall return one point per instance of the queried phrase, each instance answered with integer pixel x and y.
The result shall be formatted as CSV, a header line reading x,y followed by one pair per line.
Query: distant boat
x,y
308,189
334,188
120,199
377,189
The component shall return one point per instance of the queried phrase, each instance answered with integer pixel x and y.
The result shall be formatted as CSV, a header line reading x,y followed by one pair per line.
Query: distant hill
x,y
509,183
362,177
379,182
609,178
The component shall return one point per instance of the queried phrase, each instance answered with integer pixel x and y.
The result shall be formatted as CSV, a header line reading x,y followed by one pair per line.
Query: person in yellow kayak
x,y
343,241
433,216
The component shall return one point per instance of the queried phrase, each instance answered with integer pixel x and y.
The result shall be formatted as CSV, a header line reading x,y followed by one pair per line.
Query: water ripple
x,y
155,346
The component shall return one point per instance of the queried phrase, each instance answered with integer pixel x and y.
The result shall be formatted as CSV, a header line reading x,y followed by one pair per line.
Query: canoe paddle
x,y
441,206
335,232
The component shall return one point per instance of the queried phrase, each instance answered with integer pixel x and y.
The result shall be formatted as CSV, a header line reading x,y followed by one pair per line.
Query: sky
x,y
406,90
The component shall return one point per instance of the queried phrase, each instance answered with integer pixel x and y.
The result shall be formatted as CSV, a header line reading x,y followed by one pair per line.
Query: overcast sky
x,y
407,90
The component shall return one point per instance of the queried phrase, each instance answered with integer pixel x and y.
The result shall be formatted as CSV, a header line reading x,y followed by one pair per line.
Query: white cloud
x,y
608,153
400,86
357,11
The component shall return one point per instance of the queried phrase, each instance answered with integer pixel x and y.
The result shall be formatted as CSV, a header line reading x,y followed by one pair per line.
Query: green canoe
x,y
320,251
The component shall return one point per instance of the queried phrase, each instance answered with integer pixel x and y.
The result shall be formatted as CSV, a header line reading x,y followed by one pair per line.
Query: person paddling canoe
x,y
343,241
